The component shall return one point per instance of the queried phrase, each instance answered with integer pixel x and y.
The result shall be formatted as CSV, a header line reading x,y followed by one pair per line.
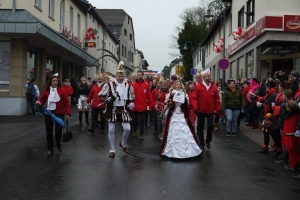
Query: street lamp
x,y
223,20
103,43
192,49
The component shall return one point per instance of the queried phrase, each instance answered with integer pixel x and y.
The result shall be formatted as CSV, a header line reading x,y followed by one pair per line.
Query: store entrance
x,y
270,66
286,64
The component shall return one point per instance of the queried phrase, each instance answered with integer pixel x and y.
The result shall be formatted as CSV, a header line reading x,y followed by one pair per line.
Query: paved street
x,y
231,169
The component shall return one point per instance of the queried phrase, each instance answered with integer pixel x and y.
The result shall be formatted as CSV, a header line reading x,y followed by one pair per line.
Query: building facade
x,y
271,42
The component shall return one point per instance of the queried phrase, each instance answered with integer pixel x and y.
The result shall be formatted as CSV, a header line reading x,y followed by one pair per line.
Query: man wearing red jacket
x,y
206,102
96,104
142,101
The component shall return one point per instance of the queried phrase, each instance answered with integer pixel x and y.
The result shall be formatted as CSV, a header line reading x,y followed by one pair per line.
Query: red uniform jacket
x,y
68,88
143,96
62,106
190,95
161,99
93,95
206,101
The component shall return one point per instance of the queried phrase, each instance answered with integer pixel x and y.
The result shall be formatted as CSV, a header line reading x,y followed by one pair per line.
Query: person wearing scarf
x,y
179,140
97,106
121,94
232,103
55,98
67,85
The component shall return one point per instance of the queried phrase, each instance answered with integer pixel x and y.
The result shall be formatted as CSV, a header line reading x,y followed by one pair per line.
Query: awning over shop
x,y
24,25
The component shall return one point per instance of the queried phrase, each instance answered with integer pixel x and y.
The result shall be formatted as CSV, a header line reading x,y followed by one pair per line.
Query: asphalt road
x,y
231,169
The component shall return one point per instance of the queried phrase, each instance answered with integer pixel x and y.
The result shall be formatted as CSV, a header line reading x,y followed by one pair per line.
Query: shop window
x,y
38,4
71,18
250,12
250,64
51,9
241,18
241,68
233,70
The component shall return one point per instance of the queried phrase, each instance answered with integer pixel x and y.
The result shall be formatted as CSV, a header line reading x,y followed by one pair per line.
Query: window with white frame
x,y
78,25
38,4
250,12
241,18
51,9
230,25
71,18
62,11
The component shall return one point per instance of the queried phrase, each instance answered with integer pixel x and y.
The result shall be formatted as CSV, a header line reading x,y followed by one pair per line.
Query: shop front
x,y
273,43
31,49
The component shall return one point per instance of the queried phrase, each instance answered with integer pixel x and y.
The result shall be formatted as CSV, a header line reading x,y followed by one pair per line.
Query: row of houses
x,y
71,37
271,42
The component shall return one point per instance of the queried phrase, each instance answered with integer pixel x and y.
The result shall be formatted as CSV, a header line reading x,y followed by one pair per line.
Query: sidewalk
x,y
13,127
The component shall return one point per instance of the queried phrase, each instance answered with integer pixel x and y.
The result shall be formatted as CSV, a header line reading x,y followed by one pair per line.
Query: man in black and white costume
x,y
119,98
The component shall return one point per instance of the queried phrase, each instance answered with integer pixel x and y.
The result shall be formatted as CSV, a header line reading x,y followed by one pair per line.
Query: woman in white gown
x,y
180,140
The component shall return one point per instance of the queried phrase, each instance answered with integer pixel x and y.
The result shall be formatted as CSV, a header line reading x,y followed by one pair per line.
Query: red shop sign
x,y
292,23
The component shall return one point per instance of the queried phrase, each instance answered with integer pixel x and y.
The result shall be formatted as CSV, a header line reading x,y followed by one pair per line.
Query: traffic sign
x,y
193,71
223,64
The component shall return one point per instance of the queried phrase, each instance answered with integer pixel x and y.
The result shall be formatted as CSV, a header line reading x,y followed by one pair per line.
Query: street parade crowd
x,y
175,106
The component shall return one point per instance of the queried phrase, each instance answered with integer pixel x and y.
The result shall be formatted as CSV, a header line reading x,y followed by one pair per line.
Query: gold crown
x,y
120,69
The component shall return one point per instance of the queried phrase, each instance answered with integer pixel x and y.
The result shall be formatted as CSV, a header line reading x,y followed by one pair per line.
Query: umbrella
x,y
55,119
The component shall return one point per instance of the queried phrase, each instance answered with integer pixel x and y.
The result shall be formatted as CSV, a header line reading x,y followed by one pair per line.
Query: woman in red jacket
x,y
96,107
190,91
67,85
56,99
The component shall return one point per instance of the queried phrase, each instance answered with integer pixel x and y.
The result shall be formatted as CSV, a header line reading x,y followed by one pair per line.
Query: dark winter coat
x,y
253,109
232,100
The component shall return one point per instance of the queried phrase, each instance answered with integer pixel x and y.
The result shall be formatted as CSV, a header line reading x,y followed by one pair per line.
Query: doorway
x,y
270,66
286,64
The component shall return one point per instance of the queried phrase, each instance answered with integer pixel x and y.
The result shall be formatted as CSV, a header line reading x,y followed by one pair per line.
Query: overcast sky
x,y
153,22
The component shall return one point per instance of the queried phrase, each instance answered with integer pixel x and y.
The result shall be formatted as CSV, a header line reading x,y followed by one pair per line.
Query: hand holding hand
x,y
67,117
131,105
38,103
258,104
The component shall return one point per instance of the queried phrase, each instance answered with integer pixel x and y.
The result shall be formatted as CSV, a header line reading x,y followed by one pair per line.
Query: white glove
x,y
258,104
297,134
148,108
273,104
131,105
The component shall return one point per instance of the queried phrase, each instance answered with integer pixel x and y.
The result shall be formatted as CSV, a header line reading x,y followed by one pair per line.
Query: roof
x,y
19,16
113,16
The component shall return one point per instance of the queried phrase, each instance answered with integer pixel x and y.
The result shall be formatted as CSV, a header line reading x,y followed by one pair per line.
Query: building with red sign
x,y
271,39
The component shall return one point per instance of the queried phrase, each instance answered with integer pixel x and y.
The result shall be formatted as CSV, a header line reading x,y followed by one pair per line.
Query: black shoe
x,y
50,153
80,125
296,177
59,149
208,145
228,134
91,130
233,134
262,151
